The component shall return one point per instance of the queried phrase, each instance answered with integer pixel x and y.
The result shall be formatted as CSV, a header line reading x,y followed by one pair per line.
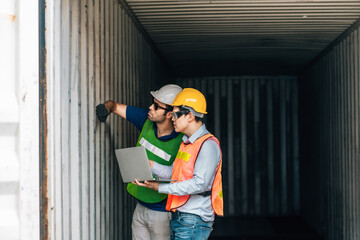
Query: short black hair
x,y
169,108
199,119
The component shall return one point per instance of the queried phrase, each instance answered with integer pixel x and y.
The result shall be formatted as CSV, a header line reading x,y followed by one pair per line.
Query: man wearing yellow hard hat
x,y
196,196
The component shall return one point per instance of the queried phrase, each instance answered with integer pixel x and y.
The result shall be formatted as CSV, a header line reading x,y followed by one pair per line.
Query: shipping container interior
x,y
281,79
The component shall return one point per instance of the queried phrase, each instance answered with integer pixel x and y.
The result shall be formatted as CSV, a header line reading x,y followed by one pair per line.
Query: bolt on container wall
x,y
330,135
256,121
97,53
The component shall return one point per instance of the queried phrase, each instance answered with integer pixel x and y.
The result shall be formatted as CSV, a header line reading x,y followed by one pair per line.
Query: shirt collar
x,y
198,133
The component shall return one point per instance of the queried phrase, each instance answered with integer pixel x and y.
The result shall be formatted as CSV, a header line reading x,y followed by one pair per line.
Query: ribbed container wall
x,y
256,120
100,54
330,161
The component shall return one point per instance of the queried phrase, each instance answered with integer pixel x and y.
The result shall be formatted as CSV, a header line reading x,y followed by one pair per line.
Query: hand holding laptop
x,y
133,163
148,184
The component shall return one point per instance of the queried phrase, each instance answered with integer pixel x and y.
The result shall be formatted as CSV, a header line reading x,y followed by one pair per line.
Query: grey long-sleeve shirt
x,y
203,177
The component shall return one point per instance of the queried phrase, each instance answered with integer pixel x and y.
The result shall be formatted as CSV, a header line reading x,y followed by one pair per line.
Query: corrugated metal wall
x,y
256,121
330,156
96,52
99,54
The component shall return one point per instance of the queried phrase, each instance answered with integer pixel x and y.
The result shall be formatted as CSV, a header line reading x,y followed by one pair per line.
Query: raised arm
x,y
103,110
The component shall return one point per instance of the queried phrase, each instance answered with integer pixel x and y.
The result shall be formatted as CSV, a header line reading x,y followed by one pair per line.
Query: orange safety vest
x,y
183,170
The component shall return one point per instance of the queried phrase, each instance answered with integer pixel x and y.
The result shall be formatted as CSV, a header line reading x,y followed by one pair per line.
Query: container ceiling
x,y
243,37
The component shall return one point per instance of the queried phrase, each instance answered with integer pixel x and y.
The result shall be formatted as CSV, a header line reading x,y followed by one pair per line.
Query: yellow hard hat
x,y
191,97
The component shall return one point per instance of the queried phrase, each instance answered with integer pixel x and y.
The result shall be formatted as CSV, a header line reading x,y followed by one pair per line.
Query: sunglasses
x,y
156,106
178,114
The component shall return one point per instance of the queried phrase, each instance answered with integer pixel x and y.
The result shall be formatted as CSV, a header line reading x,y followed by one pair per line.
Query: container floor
x,y
263,228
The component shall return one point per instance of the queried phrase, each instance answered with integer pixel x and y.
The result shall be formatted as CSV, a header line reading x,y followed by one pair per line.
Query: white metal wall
x,y
19,121
95,53
330,139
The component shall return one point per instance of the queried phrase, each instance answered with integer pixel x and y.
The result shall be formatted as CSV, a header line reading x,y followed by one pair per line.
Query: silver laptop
x,y
133,163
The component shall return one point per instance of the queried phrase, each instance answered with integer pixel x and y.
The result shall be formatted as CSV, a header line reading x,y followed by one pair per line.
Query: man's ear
x,y
190,117
168,115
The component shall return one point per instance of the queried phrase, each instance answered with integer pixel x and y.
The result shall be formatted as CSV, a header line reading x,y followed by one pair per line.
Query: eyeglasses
x,y
178,114
156,106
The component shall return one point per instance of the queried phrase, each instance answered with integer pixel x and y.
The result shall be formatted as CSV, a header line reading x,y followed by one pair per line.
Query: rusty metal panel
x,y
98,54
330,151
256,121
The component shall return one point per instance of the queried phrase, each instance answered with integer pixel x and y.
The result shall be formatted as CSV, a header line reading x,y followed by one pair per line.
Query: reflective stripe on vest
x,y
165,155
183,169
155,150
183,155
